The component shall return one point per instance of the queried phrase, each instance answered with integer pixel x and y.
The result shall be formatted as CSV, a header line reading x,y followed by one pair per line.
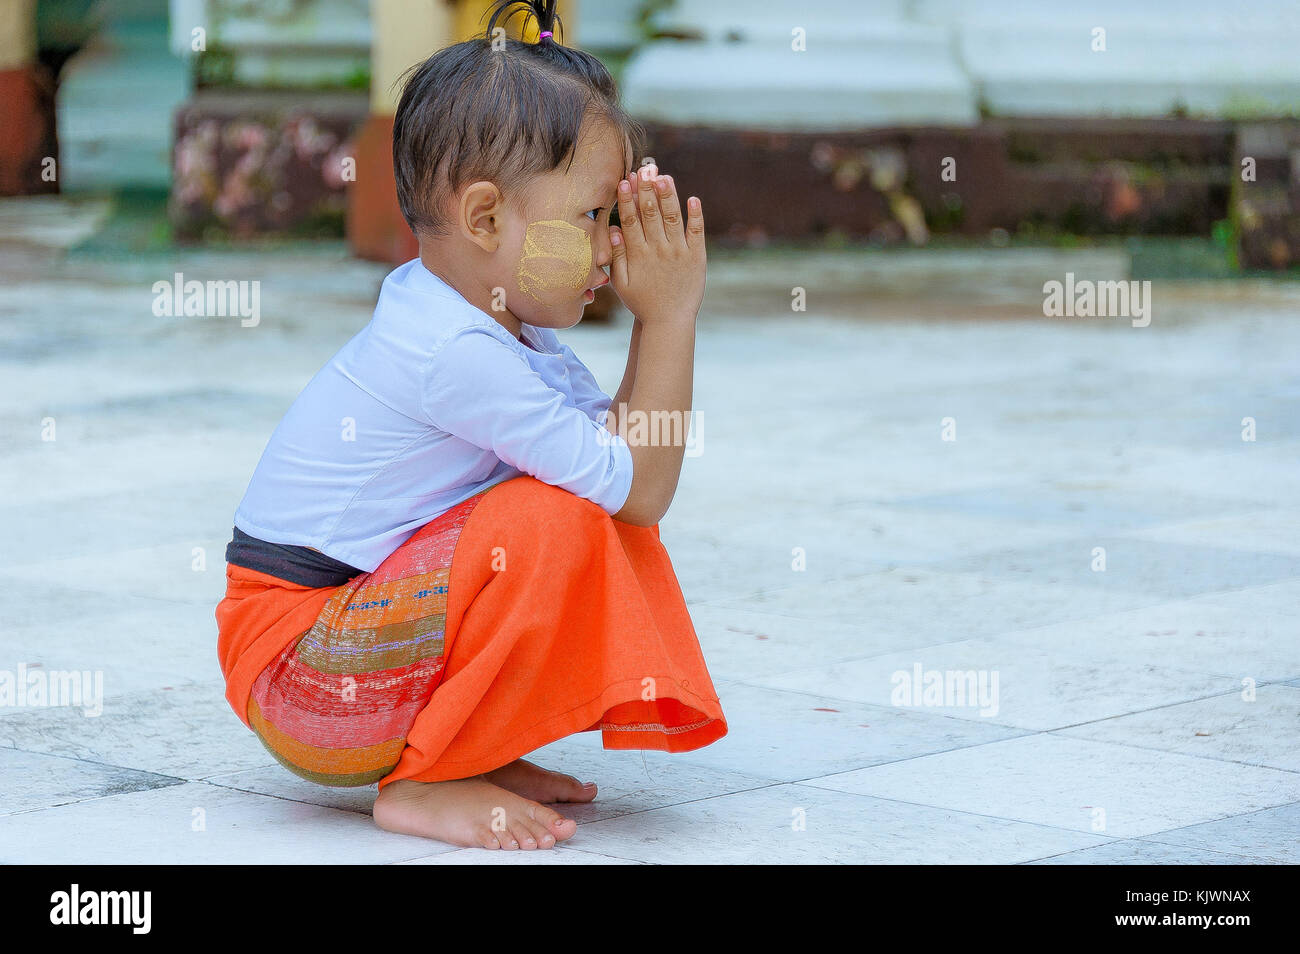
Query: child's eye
x,y
595,213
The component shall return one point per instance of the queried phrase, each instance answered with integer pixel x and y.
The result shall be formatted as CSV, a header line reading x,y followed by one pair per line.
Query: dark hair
x,y
506,115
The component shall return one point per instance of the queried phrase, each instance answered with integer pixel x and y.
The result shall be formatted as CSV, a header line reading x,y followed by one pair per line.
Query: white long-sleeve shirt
x,y
428,404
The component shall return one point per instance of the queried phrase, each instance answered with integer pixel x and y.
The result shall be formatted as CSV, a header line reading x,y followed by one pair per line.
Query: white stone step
x,y
895,62
901,75
1149,73
1209,58
723,19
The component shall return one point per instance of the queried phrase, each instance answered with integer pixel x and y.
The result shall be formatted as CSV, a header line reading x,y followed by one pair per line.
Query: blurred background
x,y
885,122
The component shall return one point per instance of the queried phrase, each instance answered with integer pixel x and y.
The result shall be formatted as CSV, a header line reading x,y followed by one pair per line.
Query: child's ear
x,y
482,210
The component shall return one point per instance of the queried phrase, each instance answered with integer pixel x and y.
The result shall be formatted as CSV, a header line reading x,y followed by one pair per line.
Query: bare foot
x,y
539,784
471,812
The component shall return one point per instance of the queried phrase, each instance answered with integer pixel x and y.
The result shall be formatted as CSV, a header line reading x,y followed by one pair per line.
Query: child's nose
x,y
603,251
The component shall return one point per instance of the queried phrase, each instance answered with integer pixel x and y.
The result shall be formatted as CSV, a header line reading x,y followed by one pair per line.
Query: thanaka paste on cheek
x,y
556,256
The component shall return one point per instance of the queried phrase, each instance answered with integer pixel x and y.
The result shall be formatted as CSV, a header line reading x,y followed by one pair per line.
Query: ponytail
x,y
543,11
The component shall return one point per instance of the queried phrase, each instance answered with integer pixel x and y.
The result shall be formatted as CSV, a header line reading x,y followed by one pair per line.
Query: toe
x,y
569,789
485,837
542,837
561,828
522,833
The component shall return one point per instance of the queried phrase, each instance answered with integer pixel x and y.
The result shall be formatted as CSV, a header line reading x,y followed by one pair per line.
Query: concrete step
x,y
943,61
898,75
114,110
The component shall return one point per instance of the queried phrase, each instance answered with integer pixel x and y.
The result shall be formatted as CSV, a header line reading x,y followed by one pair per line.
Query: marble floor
x,y
1069,635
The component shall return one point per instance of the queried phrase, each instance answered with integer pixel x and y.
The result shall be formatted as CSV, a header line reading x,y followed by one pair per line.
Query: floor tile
x,y
188,571
1196,635
279,782
629,781
1261,731
1076,784
1083,506
187,731
34,781
1269,836
1275,530
938,607
1281,599
802,825
739,645
559,855
169,643
793,735
197,823
1006,683
1144,853
1169,570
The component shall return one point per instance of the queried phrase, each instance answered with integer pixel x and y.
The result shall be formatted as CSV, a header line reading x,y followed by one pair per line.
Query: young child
x,y
448,555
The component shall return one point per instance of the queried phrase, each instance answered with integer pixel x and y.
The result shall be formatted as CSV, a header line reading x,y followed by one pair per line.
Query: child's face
x,y
557,243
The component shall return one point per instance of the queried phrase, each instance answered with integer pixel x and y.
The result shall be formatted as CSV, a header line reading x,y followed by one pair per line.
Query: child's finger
x,y
628,220
647,206
671,208
694,222
618,258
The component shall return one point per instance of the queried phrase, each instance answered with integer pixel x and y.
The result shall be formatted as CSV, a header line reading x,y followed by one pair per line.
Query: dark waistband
x,y
301,565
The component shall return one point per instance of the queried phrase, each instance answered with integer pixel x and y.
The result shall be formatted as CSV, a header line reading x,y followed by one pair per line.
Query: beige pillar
x,y
403,34
28,141
17,33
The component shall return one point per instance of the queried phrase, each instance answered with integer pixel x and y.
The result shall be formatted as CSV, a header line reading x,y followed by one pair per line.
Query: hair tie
x,y
546,35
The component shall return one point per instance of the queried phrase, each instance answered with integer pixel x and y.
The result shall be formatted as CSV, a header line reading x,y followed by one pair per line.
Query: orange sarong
x,y
520,616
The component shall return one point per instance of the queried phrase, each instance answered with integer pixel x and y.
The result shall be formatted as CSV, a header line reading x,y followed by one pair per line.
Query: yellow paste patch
x,y
556,255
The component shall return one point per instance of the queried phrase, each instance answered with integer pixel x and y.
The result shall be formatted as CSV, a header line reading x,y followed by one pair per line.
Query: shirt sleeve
x,y
587,395
479,389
